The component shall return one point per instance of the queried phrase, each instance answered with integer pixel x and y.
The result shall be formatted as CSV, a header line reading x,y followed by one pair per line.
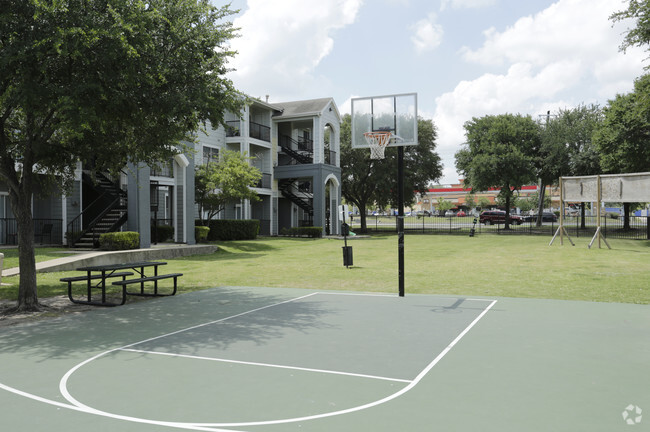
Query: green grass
x,y
486,265
41,254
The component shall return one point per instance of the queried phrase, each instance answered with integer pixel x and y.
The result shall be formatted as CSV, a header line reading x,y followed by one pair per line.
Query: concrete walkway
x,y
82,259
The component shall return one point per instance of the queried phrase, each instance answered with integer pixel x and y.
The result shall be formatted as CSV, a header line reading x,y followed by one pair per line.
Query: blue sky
x,y
464,58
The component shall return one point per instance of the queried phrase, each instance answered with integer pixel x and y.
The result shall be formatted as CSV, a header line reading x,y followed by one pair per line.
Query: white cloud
x,y
427,34
563,56
283,42
465,4
566,29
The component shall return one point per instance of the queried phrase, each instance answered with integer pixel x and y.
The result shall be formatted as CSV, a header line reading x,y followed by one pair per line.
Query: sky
x,y
464,58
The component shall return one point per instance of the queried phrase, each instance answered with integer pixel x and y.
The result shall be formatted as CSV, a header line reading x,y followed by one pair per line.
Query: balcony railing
x,y
265,181
260,132
232,128
162,169
46,231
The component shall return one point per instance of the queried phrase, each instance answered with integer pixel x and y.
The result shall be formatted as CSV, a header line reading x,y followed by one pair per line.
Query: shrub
x,y
201,233
229,229
119,240
164,233
311,232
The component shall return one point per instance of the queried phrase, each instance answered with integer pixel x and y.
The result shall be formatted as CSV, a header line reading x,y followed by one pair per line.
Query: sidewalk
x,y
82,259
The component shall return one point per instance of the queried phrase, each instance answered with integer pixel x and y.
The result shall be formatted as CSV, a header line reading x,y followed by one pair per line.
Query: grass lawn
x,y
41,254
485,265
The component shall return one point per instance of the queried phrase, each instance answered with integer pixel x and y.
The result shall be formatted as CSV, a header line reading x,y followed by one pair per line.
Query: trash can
x,y
347,256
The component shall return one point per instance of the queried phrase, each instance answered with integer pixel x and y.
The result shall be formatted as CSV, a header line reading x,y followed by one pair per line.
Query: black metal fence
x,y
639,227
46,231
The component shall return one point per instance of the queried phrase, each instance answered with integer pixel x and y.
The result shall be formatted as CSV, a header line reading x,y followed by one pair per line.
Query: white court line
x,y
413,383
86,409
217,427
113,416
323,371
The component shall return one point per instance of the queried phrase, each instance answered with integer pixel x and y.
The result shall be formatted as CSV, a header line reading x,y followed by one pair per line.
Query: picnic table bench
x,y
101,273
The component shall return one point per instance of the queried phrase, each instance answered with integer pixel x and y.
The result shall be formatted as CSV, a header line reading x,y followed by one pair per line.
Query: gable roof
x,y
303,108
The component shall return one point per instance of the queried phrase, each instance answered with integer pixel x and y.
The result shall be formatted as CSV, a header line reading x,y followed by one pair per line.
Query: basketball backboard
x,y
396,113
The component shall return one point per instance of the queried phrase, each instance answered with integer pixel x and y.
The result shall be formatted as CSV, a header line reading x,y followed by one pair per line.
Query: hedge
x,y
311,232
119,240
232,229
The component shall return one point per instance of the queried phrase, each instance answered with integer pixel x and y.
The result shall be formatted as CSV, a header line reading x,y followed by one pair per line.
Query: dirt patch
x,y
52,307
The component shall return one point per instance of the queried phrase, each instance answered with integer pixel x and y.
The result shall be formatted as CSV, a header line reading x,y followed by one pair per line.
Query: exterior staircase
x,y
298,194
108,212
301,152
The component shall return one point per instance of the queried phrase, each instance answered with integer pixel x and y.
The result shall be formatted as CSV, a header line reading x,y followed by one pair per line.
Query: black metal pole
x,y
400,217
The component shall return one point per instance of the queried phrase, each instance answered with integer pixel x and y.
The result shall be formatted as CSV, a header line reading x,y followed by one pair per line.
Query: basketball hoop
x,y
377,141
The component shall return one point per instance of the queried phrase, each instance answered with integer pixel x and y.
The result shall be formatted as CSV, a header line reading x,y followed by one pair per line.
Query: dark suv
x,y
490,217
546,217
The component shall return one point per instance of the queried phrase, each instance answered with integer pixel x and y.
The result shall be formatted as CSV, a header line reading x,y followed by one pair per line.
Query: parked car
x,y
461,213
546,217
490,217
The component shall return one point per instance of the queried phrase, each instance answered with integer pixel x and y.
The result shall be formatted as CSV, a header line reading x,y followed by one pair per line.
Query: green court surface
x,y
269,359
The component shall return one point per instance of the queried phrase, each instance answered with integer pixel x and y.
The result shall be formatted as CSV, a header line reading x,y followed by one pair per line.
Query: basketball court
x,y
262,359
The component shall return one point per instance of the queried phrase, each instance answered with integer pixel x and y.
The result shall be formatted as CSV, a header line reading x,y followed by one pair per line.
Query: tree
x,y
484,202
368,181
443,206
639,35
101,82
567,148
470,200
622,138
230,179
499,153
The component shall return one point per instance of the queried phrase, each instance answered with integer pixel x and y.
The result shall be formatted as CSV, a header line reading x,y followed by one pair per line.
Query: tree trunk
x,y
540,203
362,217
626,216
27,292
507,224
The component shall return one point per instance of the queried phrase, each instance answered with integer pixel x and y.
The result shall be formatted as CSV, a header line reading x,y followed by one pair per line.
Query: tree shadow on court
x,y
89,333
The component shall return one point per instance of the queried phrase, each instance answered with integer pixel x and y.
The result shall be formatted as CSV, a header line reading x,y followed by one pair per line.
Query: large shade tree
x,y
373,182
567,147
499,153
623,138
101,81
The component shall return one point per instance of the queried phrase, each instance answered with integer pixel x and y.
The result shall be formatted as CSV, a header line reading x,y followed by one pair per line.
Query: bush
x,y
229,229
311,232
119,240
164,232
201,233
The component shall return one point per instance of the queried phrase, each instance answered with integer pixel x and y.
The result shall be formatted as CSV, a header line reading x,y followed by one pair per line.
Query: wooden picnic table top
x,y
109,267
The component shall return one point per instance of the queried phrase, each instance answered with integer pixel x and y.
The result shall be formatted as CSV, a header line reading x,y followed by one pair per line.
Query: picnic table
x,y
96,277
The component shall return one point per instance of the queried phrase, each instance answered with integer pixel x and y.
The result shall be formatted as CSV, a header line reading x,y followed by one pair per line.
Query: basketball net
x,y
377,141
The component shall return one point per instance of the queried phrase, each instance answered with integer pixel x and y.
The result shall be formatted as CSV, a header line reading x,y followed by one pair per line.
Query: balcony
x,y
259,132
232,128
264,182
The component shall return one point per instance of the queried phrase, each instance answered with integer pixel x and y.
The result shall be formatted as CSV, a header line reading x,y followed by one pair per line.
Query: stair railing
x,y
75,230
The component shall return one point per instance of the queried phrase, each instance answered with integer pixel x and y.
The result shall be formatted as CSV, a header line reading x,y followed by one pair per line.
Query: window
x,y
210,154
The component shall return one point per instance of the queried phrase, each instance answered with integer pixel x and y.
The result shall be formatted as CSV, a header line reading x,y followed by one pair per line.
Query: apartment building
x,y
296,146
